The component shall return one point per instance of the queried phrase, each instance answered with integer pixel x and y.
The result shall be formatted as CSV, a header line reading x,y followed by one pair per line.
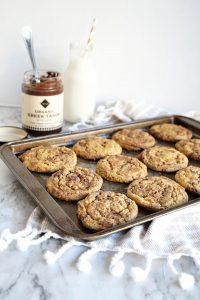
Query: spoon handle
x,y
28,40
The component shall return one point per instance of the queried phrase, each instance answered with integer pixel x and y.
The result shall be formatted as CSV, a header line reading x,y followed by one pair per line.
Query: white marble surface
x,y
25,275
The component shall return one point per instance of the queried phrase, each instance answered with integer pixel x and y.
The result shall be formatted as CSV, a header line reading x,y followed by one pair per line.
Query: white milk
x,y
79,85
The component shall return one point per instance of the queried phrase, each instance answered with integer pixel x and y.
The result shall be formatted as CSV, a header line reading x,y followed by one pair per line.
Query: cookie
x,y
170,132
156,193
121,168
95,148
102,210
73,185
163,159
49,159
191,148
189,178
133,139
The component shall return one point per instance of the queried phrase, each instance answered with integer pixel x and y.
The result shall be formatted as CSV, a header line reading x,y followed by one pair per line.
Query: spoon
x,y
28,40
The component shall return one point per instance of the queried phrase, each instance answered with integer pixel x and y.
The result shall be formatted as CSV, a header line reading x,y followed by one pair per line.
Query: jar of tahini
x,y
42,102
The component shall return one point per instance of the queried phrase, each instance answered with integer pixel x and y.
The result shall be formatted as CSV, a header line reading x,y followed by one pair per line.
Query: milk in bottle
x,y
79,84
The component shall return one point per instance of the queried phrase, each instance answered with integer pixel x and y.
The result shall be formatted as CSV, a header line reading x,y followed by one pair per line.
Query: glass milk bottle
x,y
79,84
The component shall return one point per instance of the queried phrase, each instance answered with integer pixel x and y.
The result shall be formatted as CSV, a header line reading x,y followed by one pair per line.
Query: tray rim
x,y
13,163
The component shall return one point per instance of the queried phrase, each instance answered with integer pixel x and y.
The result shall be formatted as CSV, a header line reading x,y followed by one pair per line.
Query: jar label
x,y
42,113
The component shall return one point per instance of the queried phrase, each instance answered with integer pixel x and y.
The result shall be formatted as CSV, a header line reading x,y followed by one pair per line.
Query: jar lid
x,y
11,133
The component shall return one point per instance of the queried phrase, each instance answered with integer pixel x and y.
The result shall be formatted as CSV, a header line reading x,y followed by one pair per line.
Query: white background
x,y
146,50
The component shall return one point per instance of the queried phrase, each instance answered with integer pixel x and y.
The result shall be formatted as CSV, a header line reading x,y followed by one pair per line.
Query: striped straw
x,y
92,31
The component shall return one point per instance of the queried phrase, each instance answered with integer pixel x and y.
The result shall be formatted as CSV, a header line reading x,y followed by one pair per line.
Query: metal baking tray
x,y
62,213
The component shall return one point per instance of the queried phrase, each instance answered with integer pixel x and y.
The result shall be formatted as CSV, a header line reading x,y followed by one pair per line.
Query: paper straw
x,y
92,31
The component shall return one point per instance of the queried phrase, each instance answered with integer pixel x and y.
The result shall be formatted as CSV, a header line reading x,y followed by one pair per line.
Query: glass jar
x,y
79,84
42,102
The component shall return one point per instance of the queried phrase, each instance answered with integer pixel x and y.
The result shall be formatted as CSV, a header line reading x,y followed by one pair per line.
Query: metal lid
x,y
11,133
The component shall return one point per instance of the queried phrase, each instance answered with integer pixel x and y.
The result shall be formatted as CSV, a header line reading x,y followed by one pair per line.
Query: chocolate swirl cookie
x,y
133,139
191,148
164,159
95,148
157,193
49,159
189,178
102,210
170,132
121,168
73,185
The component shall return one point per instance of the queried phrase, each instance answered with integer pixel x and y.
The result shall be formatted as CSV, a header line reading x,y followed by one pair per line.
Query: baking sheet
x,y
62,213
